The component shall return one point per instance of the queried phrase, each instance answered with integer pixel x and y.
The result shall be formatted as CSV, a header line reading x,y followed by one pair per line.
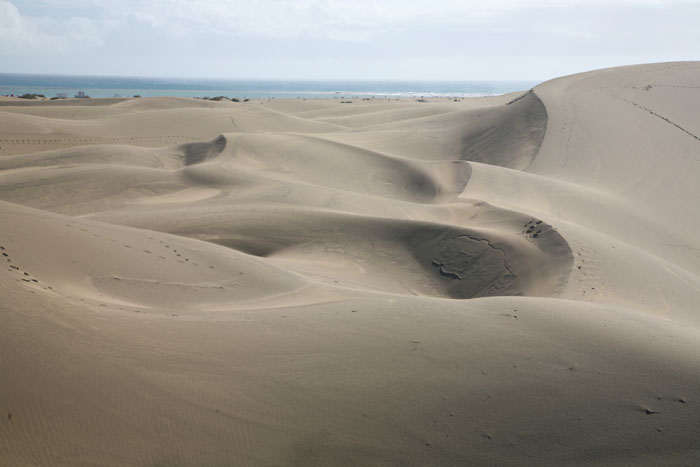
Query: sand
x,y
503,281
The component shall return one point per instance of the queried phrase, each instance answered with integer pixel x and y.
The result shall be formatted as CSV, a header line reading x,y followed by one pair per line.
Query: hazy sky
x,y
354,39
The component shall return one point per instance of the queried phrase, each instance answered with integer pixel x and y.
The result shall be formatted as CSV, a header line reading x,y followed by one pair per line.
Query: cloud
x,y
255,37
344,20
22,34
332,19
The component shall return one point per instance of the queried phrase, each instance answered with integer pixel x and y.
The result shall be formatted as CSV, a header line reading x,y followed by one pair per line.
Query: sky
x,y
343,39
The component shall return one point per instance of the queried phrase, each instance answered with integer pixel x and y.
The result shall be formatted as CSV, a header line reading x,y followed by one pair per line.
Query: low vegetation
x,y
32,96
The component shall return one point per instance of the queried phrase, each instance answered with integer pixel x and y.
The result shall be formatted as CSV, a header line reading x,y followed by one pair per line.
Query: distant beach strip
x,y
52,86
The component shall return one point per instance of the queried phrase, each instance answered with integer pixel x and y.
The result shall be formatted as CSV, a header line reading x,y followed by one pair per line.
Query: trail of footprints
x,y
652,112
174,252
569,119
24,276
589,272
584,260
168,249
73,142
165,248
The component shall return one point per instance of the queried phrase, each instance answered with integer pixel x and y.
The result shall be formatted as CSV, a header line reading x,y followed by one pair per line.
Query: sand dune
x,y
496,281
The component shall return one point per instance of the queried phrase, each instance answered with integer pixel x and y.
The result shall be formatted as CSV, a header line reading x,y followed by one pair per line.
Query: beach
x,y
504,280
68,86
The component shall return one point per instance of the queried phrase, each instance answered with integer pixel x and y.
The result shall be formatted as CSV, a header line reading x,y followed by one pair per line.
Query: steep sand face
x,y
502,281
507,136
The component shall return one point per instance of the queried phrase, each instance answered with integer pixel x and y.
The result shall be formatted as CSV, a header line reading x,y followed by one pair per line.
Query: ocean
x,y
104,86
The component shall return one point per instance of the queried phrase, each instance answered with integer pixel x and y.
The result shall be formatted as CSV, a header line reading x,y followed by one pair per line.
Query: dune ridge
x,y
496,281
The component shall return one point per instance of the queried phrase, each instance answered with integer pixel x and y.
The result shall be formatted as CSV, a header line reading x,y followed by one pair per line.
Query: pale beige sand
x,y
500,281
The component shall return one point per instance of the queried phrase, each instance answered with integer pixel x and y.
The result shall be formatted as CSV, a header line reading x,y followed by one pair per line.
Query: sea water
x,y
104,86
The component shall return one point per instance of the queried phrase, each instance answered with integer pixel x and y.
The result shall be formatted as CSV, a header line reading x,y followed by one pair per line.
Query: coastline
x,y
104,87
